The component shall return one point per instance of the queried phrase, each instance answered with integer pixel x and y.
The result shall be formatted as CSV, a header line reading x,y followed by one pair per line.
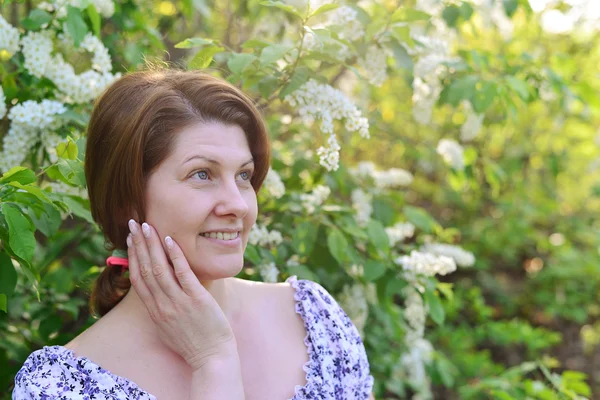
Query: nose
x,y
231,201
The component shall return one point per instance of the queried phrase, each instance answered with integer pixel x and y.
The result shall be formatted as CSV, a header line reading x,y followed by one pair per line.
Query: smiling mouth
x,y
221,235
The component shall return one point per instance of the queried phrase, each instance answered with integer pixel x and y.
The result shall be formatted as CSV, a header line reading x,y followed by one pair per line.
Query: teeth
x,y
221,235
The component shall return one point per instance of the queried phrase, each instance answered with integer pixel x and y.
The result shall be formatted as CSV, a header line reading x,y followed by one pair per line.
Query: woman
x,y
174,160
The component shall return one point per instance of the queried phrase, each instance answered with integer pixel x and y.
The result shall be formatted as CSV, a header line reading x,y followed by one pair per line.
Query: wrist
x,y
217,361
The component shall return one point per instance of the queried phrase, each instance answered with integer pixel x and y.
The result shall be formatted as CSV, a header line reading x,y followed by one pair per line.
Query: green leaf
x,y
194,42
49,221
305,237
445,369
302,272
268,85
36,19
76,25
409,15
94,18
21,238
22,175
255,44
273,53
402,35
73,171
462,88
78,209
420,218
278,4
436,310
373,270
484,97
3,303
204,57
299,78
518,86
251,253
8,275
378,236
67,150
239,61
510,7
337,244
37,192
466,11
451,14
401,57
323,9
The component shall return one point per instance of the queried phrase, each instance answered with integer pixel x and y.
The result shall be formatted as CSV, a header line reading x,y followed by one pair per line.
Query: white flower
x,y
347,19
273,184
415,312
425,96
472,126
374,64
462,257
364,169
2,103
392,178
36,115
426,264
354,302
452,153
268,272
16,145
61,187
9,37
37,49
310,201
361,202
106,8
260,235
399,232
320,101
293,261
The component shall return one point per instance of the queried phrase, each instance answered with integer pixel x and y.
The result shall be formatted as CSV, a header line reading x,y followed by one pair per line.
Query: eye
x,y
202,174
246,175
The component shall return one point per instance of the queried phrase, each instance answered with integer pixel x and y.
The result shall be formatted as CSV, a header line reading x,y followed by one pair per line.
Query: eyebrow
x,y
210,160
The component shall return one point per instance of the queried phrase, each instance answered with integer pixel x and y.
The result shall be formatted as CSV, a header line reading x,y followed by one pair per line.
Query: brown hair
x,y
132,129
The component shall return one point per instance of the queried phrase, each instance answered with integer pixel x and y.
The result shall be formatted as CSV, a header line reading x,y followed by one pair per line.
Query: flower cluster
x,y
361,202
388,179
374,64
106,8
2,103
273,184
9,37
260,235
268,272
31,122
353,301
462,257
472,126
399,232
426,264
39,61
312,200
452,153
320,101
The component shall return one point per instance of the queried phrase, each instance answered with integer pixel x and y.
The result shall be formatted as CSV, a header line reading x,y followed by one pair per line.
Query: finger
x,y
186,278
145,263
161,269
134,275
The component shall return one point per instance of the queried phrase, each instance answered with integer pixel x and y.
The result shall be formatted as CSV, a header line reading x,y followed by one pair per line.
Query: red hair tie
x,y
118,257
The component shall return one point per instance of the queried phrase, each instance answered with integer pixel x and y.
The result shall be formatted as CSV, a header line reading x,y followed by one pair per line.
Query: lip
x,y
228,230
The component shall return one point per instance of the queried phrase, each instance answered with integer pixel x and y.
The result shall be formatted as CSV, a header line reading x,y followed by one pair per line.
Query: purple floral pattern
x,y
338,368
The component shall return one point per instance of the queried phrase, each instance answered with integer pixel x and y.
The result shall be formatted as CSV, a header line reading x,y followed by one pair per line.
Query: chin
x,y
218,269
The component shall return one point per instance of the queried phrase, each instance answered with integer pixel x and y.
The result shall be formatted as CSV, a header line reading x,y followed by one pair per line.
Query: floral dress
x,y
338,367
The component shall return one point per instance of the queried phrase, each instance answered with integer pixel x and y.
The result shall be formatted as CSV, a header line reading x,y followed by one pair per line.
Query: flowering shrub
x,y
371,192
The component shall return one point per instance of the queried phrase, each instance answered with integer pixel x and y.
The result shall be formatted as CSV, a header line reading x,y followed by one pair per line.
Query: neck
x,y
221,289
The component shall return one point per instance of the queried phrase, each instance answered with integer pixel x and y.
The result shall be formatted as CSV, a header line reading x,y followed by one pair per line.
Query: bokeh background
x,y
436,167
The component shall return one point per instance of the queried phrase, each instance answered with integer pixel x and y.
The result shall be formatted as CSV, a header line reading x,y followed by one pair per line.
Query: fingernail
x,y
133,226
129,241
146,229
169,242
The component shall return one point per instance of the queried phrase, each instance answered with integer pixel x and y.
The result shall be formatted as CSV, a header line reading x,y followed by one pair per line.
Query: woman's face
x,y
204,186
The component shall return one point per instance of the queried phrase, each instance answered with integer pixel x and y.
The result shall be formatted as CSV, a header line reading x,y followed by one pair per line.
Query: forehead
x,y
211,138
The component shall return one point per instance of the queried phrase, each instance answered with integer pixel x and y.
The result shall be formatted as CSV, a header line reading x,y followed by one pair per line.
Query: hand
x,y
188,318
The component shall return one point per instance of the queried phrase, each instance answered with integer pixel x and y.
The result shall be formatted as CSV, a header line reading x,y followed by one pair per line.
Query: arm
x,y
218,379
371,397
